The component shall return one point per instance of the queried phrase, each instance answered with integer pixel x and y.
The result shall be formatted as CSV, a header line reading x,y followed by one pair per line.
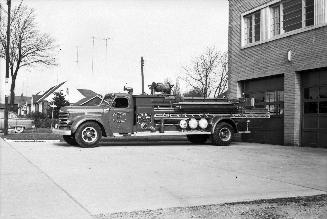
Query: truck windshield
x,y
107,100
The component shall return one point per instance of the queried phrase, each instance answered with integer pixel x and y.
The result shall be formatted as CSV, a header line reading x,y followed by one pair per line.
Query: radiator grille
x,y
63,120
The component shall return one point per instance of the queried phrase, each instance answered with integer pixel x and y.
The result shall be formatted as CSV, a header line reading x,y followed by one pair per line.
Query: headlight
x,y
183,124
193,123
203,123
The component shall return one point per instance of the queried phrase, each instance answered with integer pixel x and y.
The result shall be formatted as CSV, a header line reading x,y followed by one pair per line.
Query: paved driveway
x,y
133,176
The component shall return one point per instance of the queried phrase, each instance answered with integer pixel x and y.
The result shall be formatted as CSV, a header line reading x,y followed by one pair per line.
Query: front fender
x,y
219,119
79,120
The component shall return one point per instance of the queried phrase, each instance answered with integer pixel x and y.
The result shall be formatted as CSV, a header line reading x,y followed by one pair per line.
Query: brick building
x,y
278,56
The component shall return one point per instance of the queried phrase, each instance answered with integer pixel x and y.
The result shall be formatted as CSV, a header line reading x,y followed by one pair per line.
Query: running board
x,y
163,134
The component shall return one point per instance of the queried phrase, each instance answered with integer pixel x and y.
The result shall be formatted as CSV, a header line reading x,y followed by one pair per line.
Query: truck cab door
x,y
121,114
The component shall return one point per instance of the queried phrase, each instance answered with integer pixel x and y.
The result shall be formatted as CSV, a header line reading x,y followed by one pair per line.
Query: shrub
x,y
41,120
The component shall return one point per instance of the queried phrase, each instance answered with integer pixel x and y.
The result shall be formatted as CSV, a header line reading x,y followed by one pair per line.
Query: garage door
x,y
314,108
268,92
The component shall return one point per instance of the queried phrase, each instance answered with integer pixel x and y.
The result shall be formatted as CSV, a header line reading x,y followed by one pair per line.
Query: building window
x,y
292,11
309,12
282,17
310,107
248,29
275,24
314,92
323,107
311,93
252,27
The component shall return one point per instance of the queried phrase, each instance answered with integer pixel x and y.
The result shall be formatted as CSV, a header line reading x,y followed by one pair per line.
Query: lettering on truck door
x,y
121,115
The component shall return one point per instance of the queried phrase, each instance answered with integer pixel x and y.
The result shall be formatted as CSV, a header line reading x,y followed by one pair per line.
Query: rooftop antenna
x,y
106,39
23,87
142,74
93,38
76,55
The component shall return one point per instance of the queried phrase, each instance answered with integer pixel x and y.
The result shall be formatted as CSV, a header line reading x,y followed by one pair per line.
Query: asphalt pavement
x,y
55,180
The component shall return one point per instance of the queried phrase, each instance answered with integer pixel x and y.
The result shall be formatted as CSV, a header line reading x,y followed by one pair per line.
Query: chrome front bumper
x,y
61,131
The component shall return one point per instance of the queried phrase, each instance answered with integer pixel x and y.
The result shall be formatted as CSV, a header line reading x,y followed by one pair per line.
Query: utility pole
x,y
7,70
142,74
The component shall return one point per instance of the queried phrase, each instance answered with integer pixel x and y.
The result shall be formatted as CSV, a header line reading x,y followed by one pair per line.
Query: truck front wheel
x,y
88,134
222,134
197,139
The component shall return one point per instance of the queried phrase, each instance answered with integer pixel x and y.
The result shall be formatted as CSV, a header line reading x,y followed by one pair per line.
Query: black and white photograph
x,y
168,109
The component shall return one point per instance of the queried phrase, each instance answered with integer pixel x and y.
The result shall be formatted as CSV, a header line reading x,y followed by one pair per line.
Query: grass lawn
x,y
33,134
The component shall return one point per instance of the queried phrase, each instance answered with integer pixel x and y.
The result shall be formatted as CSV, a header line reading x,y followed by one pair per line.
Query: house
x,y
278,56
22,105
41,101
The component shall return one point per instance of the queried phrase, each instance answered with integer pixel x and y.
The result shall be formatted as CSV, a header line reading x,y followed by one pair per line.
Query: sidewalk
x,y
27,192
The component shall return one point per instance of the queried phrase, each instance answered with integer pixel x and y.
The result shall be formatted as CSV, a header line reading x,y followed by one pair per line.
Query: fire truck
x,y
125,114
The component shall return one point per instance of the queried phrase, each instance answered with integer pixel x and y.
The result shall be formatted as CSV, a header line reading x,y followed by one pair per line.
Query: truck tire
x,y
223,134
69,139
197,139
88,134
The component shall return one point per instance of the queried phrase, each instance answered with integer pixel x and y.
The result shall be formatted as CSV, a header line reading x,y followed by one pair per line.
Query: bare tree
x,y
193,93
177,90
208,73
28,48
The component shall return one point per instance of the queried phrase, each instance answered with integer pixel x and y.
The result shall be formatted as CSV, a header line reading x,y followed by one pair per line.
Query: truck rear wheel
x,y
222,134
88,134
197,139
69,139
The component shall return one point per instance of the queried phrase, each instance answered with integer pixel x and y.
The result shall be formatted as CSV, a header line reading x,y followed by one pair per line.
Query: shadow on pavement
x,y
134,143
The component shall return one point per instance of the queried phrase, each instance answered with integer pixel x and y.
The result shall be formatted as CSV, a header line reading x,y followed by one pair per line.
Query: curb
x,y
50,141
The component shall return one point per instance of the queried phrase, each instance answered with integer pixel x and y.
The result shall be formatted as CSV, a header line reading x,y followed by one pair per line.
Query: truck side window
x,y
120,102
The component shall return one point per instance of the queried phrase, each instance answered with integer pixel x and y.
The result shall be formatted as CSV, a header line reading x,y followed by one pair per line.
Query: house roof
x,y
36,97
50,91
21,100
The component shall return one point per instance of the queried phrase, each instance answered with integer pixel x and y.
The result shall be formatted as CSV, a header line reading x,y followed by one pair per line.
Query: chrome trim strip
x,y
61,131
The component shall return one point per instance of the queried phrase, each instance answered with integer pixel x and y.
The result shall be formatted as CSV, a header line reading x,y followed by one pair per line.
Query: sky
x,y
167,33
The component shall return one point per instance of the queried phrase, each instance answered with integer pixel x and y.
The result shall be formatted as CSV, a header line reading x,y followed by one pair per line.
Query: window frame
x,y
282,34
272,18
253,27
